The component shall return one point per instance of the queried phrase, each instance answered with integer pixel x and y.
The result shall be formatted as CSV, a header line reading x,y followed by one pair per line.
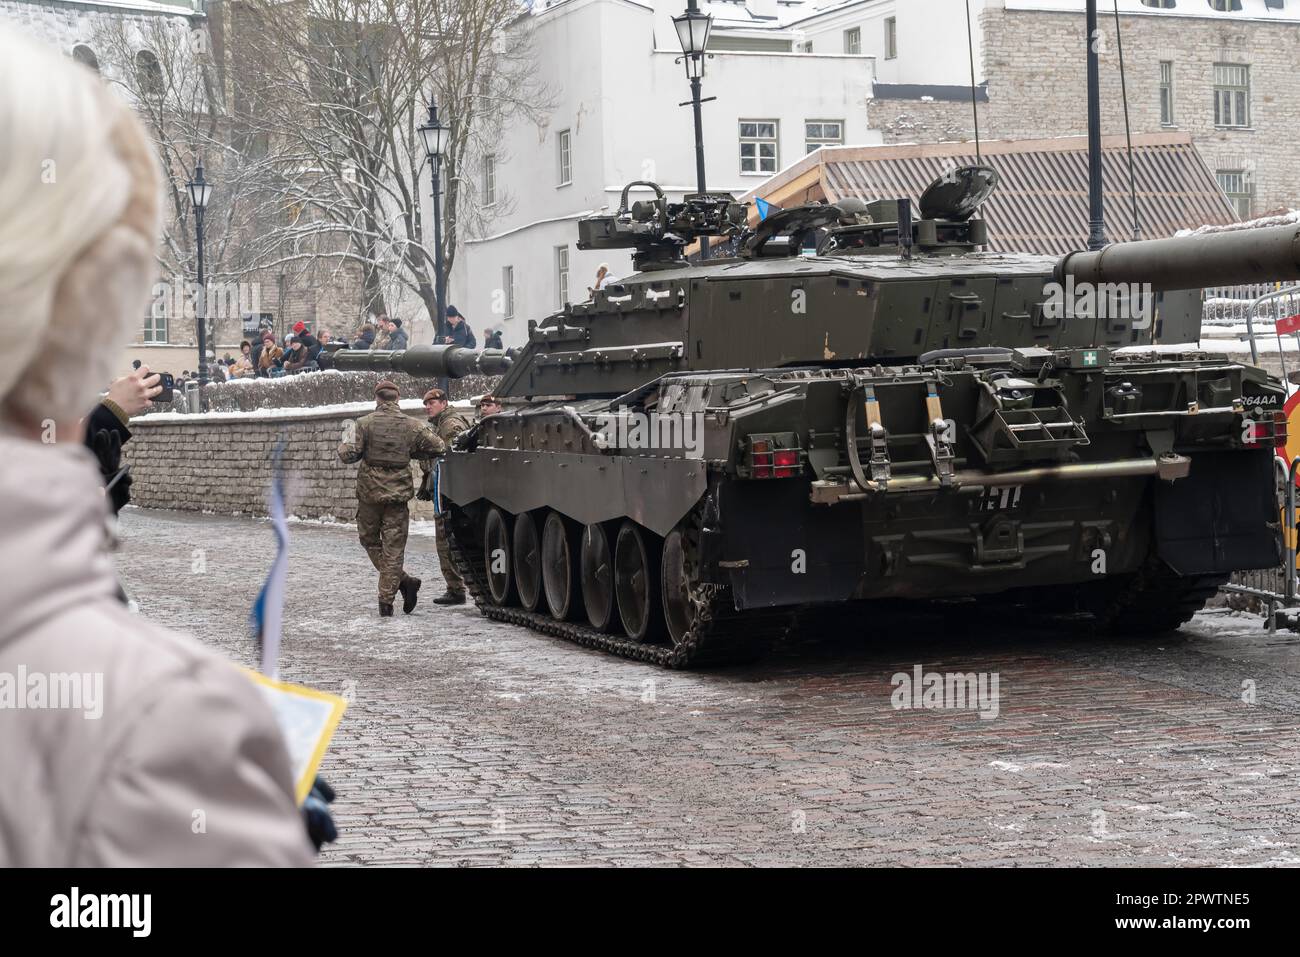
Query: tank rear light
x,y
786,462
1270,429
774,456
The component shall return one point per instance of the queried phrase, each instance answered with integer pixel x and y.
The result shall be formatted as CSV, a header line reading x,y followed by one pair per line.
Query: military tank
x,y
854,404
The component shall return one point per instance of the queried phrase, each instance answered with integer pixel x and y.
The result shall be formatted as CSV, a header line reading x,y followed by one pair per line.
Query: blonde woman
x,y
168,756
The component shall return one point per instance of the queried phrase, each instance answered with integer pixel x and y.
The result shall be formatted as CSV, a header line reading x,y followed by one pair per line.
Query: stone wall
x,y
330,387
1035,68
1037,84
221,462
923,121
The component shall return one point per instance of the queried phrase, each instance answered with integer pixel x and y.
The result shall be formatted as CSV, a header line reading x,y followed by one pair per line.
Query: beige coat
x,y
184,766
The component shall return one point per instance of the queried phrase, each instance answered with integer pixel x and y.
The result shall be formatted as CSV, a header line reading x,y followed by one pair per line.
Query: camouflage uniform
x,y
448,424
386,440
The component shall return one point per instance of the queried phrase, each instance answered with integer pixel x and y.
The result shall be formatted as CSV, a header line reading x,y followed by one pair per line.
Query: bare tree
x,y
164,67
337,89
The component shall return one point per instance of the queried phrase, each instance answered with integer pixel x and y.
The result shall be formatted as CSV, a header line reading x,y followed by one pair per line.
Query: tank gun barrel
x,y
426,362
1270,254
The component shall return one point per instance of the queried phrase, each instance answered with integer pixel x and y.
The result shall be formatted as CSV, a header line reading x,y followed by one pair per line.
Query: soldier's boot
x,y
450,598
409,588
385,610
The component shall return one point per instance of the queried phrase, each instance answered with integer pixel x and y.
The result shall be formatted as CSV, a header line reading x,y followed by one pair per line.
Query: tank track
x,y
721,634
1152,601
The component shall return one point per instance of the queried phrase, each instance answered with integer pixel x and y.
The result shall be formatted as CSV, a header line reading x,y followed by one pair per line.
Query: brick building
x,y
1221,70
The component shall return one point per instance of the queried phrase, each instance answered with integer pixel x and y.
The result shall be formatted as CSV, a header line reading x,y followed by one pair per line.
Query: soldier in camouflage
x,y
384,443
447,423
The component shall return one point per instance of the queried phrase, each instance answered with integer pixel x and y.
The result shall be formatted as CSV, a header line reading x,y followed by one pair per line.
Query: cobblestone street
x,y
470,742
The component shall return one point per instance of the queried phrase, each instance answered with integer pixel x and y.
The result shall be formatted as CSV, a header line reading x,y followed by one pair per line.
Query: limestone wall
x,y
221,462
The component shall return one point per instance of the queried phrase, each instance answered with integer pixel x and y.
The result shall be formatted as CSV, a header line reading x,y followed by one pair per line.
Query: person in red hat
x,y
310,344
384,442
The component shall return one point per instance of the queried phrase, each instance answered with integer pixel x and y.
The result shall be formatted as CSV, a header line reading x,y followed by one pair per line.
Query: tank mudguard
x,y
656,492
777,550
1222,517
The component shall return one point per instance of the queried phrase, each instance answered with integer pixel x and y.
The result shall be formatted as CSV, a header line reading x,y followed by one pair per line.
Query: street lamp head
x,y
434,134
200,190
693,30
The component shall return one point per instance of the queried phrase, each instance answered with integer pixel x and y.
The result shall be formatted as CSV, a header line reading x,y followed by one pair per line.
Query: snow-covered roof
x,y
179,8
1279,218
1287,11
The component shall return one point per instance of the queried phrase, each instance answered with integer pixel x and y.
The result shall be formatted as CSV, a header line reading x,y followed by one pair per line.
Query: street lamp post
x,y
693,33
200,192
435,134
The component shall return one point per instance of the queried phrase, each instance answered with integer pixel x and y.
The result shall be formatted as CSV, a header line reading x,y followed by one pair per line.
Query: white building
x,y
71,25
611,67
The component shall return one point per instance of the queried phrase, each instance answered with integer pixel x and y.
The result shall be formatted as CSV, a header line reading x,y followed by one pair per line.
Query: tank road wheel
x,y
597,565
560,567
679,610
497,557
527,560
636,582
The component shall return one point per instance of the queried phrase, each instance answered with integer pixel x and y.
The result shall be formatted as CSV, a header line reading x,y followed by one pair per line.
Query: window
x,y
85,56
1236,183
489,180
148,73
853,40
155,324
1231,94
891,38
562,275
508,292
1162,4
1167,92
564,158
818,133
1227,6
758,146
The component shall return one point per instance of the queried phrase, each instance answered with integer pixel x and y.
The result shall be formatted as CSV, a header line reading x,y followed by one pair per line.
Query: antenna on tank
x,y
1128,133
974,108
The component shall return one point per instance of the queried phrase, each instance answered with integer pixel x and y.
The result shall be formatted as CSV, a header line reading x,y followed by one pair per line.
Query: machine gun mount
x,y
659,230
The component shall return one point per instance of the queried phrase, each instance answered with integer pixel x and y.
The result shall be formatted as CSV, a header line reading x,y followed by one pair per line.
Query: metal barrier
x,y
1291,296
1275,586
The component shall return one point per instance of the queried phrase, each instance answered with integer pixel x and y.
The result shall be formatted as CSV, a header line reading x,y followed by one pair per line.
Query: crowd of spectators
x,y
266,357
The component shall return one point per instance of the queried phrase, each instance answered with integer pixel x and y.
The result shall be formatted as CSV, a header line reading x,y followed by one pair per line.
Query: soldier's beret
x,y
386,384
435,394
